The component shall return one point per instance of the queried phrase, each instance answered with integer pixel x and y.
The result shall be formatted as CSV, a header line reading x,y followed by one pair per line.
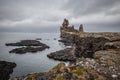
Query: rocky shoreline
x,y
6,68
92,56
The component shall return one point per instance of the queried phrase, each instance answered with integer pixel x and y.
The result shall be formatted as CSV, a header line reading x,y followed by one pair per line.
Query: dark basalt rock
x,y
66,43
31,46
87,46
63,55
67,33
26,43
65,23
28,49
6,68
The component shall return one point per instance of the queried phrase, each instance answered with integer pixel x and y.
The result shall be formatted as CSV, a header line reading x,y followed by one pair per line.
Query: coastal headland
x,y
92,56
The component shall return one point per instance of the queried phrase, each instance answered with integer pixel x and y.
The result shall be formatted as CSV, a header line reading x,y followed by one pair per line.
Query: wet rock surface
x,y
26,43
6,68
29,46
28,49
63,55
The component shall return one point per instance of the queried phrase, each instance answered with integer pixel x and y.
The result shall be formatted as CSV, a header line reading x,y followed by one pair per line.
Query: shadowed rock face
x,y
86,47
6,68
88,43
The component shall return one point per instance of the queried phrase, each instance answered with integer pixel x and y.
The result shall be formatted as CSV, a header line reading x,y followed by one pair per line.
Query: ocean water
x,y
30,62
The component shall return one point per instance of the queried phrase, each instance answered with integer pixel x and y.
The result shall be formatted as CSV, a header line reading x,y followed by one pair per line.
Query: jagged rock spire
x,y
81,28
65,23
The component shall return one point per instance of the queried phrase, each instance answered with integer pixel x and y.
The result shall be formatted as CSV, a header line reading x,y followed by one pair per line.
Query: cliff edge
x,y
92,56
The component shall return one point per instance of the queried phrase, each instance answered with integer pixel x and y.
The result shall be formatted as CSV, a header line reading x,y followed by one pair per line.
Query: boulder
x,y
6,68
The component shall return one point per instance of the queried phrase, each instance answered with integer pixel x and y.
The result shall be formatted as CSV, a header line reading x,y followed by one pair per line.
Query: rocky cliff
x,y
96,56
88,43
67,32
96,51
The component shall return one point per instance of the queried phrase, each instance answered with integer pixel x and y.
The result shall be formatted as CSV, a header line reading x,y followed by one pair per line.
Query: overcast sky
x,y
48,15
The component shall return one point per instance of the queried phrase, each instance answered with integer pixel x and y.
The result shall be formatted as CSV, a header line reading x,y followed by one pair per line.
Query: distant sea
x,y
30,62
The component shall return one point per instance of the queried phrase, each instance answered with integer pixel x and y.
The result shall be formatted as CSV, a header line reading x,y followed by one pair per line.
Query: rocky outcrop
x,y
88,43
96,51
81,28
65,37
63,55
112,45
28,49
30,46
26,43
65,27
6,68
65,23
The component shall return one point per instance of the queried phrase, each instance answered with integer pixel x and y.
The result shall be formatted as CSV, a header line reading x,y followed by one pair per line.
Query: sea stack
x,y
65,23
81,28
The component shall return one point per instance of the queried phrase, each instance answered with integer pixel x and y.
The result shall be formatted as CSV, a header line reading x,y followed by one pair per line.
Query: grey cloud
x,y
47,15
21,9
84,7
106,13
